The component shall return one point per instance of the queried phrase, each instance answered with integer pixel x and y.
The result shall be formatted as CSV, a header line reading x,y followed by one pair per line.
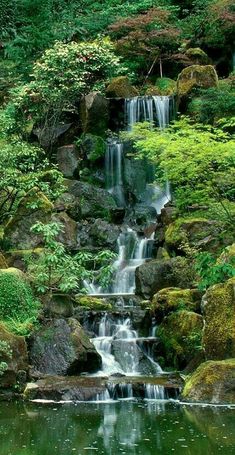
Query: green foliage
x,y
211,271
5,351
18,306
198,160
55,270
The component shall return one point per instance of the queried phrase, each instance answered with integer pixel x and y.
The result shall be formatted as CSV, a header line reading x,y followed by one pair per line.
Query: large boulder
x,y
94,202
164,86
196,76
180,334
68,158
197,56
169,300
35,206
94,114
219,315
212,382
14,357
198,232
68,233
61,347
104,234
120,87
155,275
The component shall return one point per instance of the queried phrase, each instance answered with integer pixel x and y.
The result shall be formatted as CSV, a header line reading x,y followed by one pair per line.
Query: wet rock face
x,y
15,357
63,348
219,314
212,382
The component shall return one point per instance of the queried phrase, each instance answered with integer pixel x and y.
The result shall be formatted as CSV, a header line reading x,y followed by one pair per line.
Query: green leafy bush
x,y
212,271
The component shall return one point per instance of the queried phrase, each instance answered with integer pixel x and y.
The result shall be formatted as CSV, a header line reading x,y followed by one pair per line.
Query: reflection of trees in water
x,y
142,428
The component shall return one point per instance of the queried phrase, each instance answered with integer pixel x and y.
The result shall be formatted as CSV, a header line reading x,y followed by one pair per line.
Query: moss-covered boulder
x,y
155,275
199,232
180,334
169,300
120,87
35,206
62,347
164,86
18,258
94,202
197,56
196,76
92,303
94,114
212,382
13,358
219,315
93,147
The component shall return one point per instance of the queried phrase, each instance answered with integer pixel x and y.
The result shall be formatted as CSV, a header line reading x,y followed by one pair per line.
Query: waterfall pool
x,y
123,427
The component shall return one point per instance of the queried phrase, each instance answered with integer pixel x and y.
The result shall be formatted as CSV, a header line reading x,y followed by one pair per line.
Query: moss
x,y
219,312
94,146
197,56
120,87
92,303
181,334
3,262
212,381
172,299
163,87
196,76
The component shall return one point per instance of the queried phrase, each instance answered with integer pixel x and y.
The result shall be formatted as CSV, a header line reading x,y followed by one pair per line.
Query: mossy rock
x,y
228,254
199,232
180,334
3,262
120,87
18,258
219,314
164,86
197,56
212,382
92,303
94,114
16,358
196,76
169,300
93,146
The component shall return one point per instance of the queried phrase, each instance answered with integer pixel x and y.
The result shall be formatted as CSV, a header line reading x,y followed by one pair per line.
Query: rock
x,y
212,382
63,348
94,147
164,86
128,353
120,87
135,175
49,135
104,234
219,315
35,206
94,114
59,305
3,262
181,334
196,76
69,204
18,258
92,303
197,56
16,357
155,275
198,232
94,202
71,388
68,234
169,300
228,255
68,160
168,214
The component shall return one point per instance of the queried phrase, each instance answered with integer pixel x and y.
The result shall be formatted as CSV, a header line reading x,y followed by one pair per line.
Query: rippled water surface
x,y
146,428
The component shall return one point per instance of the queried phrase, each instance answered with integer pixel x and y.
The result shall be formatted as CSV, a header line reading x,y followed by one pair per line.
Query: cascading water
x,y
114,171
153,109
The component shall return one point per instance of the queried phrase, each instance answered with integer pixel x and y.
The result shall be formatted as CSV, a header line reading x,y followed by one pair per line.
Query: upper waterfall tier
x,y
153,109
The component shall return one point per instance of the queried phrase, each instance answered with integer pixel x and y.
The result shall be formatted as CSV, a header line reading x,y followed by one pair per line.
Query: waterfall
x,y
154,392
114,172
153,109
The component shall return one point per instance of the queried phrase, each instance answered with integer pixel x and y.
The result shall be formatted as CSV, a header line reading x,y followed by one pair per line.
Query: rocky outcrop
x,y
219,314
94,202
94,114
61,347
196,76
68,233
169,300
15,358
120,87
212,382
68,160
155,275
181,334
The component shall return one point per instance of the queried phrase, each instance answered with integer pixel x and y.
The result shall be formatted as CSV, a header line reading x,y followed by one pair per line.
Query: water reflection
x,y
133,428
